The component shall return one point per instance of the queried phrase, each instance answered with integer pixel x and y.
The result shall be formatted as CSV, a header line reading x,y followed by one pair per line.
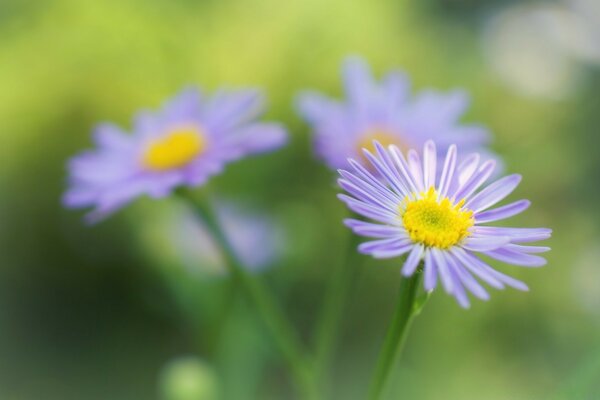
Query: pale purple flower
x,y
190,139
386,112
439,216
257,239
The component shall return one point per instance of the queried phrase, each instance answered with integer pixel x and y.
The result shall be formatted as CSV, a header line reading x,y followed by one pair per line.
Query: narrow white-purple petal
x,y
503,212
367,210
429,164
516,258
467,168
430,278
393,251
374,230
472,184
505,279
474,265
484,243
385,173
413,259
527,249
467,279
381,244
403,168
386,158
414,164
447,171
517,235
377,189
459,292
494,193
444,271
363,195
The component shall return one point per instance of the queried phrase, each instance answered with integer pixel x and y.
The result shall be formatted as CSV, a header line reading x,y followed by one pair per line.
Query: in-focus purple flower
x,y
438,215
386,112
190,139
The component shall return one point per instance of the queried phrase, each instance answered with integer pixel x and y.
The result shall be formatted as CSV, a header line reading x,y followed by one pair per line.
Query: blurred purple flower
x,y
385,112
256,238
190,139
437,215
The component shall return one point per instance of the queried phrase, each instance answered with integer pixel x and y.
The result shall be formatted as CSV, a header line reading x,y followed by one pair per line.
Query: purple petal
x,y
447,171
400,162
366,197
484,243
473,264
358,82
367,210
111,137
386,248
386,173
313,106
184,107
430,279
396,90
494,193
412,261
374,230
256,138
527,249
467,168
393,251
459,292
472,184
429,164
503,212
228,109
467,279
443,269
516,258
370,184
414,165
517,235
485,272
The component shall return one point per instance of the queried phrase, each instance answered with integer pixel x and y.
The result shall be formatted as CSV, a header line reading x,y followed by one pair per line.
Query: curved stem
x,y
396,334
272,316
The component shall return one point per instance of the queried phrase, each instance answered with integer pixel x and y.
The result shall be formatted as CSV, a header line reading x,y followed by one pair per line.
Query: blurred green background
x,y
103,312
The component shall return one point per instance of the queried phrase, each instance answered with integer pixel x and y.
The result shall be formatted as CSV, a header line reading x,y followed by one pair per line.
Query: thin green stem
x,y
283,333
330,317
396,334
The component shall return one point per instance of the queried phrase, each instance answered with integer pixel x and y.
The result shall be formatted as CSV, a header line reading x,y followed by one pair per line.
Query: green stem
x,y
272,316
330,318
396,334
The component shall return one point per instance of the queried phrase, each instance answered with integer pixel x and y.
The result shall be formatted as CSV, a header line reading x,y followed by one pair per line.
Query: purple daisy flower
x,y
437,215
257,239
386,113
190,139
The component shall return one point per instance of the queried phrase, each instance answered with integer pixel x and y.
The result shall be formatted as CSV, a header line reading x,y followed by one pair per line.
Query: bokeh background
x,y
130,309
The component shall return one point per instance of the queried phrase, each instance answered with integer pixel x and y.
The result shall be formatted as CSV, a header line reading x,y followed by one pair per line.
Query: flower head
x,y
437,215
385,112
190,139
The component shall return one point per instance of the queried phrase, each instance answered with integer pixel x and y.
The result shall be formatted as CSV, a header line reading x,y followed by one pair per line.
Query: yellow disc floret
x,y
435,222
177,149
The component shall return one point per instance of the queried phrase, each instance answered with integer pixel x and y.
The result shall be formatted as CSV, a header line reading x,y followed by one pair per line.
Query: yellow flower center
x,y
384,137
177,149
436,222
